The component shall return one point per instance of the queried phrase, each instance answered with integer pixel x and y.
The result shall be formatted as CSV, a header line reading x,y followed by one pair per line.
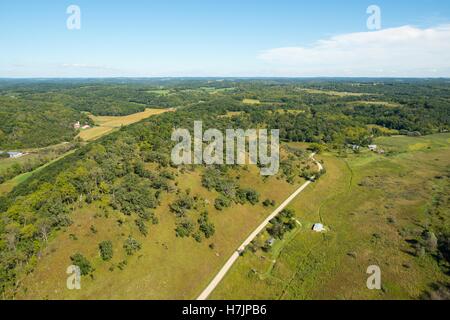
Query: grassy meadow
x,y
251,101
339,94
376,103
370,204
373,206
167,267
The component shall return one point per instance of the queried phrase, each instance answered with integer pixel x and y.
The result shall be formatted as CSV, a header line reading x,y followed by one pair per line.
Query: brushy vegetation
x,y
80,261
106,250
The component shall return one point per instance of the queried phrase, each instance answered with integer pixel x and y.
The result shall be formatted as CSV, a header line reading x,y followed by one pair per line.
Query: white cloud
x,y
405,51
85,66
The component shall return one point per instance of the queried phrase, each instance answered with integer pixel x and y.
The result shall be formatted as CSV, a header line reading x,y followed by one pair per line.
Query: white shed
x,y
318,227
271,242
15,155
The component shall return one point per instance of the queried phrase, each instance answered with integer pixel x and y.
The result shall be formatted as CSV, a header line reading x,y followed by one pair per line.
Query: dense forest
x,y
112,169
25,123
40,113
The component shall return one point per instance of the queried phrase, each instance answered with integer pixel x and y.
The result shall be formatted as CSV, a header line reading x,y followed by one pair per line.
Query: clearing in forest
x,y
251,101
334,93
107,124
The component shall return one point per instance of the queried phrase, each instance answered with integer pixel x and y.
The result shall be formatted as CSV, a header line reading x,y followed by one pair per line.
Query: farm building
x,y
354,147
15,155
318,227
373,147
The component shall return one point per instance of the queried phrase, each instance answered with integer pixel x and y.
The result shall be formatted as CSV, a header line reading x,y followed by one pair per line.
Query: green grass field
x,y
379,103
209,90
371,205
251,101
333,93
357,200
160,92
167,267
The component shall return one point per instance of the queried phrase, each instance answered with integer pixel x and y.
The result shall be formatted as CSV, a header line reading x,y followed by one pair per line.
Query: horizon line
x,y
224,77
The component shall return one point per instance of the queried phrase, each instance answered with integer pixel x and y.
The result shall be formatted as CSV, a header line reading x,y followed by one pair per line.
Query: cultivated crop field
x,y
107,124
251,101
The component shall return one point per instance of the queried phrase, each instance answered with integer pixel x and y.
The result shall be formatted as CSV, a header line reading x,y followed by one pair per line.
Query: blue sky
x,y
223,38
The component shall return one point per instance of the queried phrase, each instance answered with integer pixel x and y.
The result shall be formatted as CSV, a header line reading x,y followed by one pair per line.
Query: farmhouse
x,y
77,125
373,147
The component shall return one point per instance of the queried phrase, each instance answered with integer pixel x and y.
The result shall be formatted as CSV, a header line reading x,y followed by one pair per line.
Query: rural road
x,y
218,278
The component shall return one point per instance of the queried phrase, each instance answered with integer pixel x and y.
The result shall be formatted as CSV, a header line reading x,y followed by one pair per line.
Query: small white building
x,y
373,147
271,242
15,155
318,227
77,125
86,127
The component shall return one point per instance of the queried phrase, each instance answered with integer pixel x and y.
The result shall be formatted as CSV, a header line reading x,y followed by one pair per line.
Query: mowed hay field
x,y
372,206
106,124
376,103
251,101
340,94
167,267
